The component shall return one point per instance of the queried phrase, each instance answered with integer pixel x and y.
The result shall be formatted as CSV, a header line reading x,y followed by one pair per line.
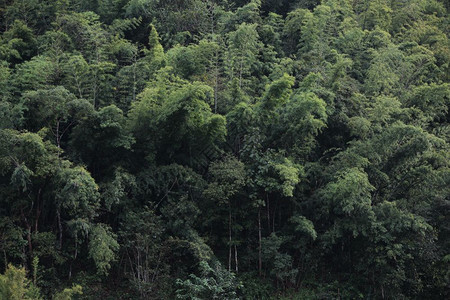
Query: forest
x,y
224,149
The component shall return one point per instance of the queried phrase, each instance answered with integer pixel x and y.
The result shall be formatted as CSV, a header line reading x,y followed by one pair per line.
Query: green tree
x,y
242,54
15,286
215,283
68,293
102,248
228,178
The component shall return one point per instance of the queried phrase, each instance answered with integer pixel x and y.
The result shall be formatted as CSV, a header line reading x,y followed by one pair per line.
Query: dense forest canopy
x,y
218,149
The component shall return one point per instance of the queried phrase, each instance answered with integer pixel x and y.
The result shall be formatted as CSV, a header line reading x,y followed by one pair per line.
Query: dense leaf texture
x,y
212,149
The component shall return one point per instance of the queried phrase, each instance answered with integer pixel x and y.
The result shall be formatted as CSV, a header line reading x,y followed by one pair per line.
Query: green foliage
x,y
77,193
302,119
304,226
15,286
12,239
17,43
37,73
184,118
142,241
278,263
214,283
277,93
20,178
350,192
242,53
228,177
224,149
68,293
102,248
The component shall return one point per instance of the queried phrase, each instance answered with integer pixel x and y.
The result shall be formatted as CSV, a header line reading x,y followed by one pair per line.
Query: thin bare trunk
x,y
240,75
24,256
58,140
38,210
134,77
30,245
28,226
229,239
58,216
216,81
74,258
236,259
274,214
259,239
94,92
77,82
268,212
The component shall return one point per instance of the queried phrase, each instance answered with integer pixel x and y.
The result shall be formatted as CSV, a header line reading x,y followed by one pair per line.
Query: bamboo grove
x,y
214,149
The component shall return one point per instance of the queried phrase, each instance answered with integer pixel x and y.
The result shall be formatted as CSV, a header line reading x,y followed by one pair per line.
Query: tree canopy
x,y
224,149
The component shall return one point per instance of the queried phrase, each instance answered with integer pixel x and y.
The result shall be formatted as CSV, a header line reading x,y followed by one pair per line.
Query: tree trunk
x,y
134,77
78,84
229,240
274,215
236,259
240,75
38,210
259,239
268,212
58,140
74,257
216,81
30,245
58,217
